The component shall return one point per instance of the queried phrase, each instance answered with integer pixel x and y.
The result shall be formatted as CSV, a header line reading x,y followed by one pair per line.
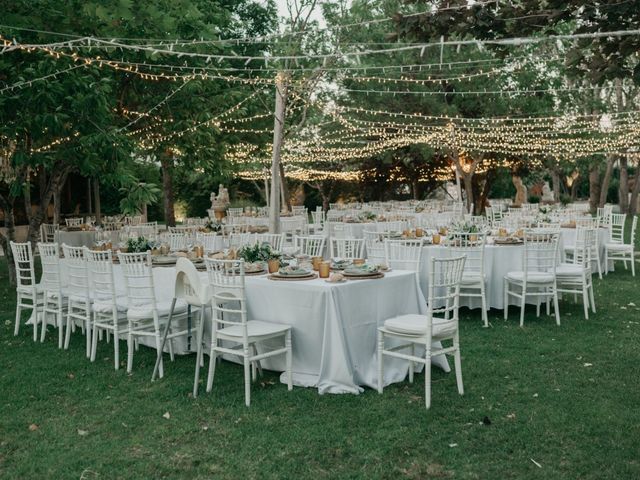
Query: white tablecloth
x,y
76,239
334,325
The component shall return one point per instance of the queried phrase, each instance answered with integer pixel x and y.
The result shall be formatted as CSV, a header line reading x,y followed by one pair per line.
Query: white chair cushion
x,y
469,278
104,306
414,324
27,288
532,277
569,269
163,308
255,328
620,247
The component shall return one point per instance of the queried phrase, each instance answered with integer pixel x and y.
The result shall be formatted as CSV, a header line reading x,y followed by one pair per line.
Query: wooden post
x,y
278,134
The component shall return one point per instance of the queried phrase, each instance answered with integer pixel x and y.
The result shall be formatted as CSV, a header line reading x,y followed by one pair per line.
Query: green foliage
x,y
136,196
139,245
258,252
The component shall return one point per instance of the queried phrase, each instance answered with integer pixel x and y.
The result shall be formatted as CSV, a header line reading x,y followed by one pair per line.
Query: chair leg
x,y
522,305
59,321
247,377
485,316
198,353
633,264
35,320
593,302
412,350
606,262
458,365
556,308
43,327
585,299
130,342
87,320
506,299
67,337
289,360
94,342
380,360
212,365
538,302
598,264
16,328
427,377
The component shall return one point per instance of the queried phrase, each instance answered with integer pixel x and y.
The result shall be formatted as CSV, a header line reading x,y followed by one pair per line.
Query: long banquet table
x,y
334,333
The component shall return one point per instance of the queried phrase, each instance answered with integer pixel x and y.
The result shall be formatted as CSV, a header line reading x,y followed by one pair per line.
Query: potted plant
x,y
137,245
259,253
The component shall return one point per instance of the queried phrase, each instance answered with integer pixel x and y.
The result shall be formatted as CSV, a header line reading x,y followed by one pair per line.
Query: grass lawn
x,y
540,402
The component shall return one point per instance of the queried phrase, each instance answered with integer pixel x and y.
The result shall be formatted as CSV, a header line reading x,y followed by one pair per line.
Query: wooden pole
x,y
278,134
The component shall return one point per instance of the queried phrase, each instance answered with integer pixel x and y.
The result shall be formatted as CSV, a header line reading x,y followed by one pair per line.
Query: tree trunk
x,y
594,187
484,194
604,186
278,134
166,162
555,179
56,207
633,204
96,201
624,186
7,207
284,189
467,179
56,183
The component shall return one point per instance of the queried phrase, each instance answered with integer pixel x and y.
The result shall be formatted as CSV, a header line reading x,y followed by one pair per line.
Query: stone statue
x,y
521,191
547,194
219,203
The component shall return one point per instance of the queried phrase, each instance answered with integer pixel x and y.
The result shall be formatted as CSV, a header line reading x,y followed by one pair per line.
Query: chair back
x,y
228,296
616,227
634,227
403,254
176,241
235,211
540,252
77,271
24,265
101,282
74,222
188,287
239,240
273,239
443,297
347,248
374,245
311,245
395,226
585,240
50,259
48,232
208,241
138,279
470,245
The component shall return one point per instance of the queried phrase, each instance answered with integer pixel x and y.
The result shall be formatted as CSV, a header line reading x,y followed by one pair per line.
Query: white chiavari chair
x,y
78,294
28,291
176,241
109,309
210,241
231,325
145,312
347,248
472,246
538,275
48,232
53,289
615,249
311,245
437,325
74,222
275,240
575,276
374,246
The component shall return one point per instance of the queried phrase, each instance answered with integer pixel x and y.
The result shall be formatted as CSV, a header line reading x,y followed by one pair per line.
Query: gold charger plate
x,y
289,278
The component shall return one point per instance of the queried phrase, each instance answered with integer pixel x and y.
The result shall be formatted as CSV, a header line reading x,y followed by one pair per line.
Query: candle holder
x,y
325,270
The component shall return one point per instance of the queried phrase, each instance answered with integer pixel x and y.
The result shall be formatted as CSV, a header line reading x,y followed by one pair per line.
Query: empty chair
x,y
238,240
274,240
53,291
78,296
48,232
395,226
191,291
594,247
28,291
145,312
404,254
235,211
292,226
318,219
109,309
176,241
74,222
374,246
311,245
347,248
575,276
444,289
615,249
211,242
537,277
472,246
231,325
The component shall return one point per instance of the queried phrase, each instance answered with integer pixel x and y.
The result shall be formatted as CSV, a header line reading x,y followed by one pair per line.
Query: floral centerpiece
x,y
140,244
212,226
367,216
260,254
